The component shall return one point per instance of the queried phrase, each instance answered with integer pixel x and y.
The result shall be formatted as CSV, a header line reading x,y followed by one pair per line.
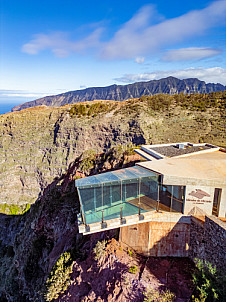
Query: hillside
x,y
168,85
43,150
37,145
44,243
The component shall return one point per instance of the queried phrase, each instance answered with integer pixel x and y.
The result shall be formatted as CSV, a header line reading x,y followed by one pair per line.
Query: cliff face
x,y
38,144
168,85
30,245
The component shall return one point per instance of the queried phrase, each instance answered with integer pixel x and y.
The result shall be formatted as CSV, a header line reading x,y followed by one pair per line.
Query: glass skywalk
x,y
117,194
126,192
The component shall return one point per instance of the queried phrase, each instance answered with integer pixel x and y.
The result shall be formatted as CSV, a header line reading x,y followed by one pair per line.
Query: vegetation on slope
x,y
91,110
39,144
59,277
210,283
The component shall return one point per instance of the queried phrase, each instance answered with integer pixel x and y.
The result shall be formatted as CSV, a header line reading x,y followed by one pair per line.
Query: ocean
x,y
4,108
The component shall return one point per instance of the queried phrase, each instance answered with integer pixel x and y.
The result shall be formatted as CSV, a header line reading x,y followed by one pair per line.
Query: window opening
x,y
216,201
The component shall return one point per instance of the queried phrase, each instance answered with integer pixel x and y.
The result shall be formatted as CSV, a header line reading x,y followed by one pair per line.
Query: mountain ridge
x,y
169,85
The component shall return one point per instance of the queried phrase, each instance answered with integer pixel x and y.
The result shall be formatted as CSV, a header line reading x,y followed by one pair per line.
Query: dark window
x,y
216,201
165,198
171,198
178,197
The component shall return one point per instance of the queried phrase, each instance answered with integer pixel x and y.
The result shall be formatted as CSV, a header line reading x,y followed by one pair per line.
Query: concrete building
x,y
153,203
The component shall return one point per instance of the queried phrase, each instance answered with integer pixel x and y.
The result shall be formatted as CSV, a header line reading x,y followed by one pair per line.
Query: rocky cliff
x,y
38,144
168,85
42,151
43,258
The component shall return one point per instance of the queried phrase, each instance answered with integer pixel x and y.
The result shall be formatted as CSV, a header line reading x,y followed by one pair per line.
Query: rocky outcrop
x,y
168,85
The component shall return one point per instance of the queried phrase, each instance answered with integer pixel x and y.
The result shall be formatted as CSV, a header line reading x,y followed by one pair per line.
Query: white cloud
x,y
137,38
145,33
139,60
209,75
191,53
60,44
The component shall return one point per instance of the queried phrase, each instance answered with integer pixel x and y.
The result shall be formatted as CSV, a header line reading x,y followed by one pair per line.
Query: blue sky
x,y
49,47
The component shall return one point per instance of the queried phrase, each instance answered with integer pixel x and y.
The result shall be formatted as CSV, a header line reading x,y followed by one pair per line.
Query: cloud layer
x,y
191,53
20,94
139,36
209,75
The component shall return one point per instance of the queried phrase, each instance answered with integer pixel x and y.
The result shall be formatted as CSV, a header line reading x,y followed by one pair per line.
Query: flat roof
x,y
174,150
161,151
205,166
114,176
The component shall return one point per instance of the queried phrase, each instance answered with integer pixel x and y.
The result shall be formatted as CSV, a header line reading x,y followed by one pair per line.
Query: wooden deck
x,y
149,204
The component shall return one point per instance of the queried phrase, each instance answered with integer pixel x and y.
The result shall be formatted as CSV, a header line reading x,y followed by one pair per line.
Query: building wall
x,y
158,239
197,239
199,196
201,238
208,241
215,242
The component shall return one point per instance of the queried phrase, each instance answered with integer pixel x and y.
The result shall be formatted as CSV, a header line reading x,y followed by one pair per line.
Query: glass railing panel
x,y
116,193
165,198
131,190
87,199
93,217
177,202
98,197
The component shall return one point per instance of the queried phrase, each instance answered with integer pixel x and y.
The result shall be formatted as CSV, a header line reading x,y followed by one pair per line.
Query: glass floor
x,y
129,208
113,212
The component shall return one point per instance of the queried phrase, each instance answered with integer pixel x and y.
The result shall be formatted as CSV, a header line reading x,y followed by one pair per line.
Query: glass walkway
x,y
125,192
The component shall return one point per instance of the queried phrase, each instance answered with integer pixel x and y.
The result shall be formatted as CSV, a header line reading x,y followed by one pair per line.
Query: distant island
x,y
169,85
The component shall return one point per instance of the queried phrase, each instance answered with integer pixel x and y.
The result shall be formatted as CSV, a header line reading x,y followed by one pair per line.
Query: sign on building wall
x,y
201,197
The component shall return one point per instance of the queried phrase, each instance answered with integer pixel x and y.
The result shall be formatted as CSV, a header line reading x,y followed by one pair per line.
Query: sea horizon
x,y
6,108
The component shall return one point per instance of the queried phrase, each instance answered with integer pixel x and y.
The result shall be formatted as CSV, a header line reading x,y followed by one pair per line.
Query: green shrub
x,y
153,295
59,277
200,101
210,283
14,209
91,109
130,149
99,251
78,109
88,161
130,253
133,269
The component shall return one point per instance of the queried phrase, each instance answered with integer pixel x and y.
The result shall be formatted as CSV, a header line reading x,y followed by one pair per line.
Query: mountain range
x,y
169,85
